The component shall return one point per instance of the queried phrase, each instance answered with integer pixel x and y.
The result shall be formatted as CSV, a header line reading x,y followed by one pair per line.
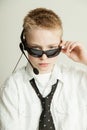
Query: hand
x,y
75,51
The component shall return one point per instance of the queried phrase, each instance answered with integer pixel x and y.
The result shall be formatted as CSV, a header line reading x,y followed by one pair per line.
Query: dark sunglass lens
x,y
39,53
34,52
53,53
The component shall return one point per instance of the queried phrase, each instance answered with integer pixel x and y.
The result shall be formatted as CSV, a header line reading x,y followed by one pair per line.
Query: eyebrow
x,y
36,45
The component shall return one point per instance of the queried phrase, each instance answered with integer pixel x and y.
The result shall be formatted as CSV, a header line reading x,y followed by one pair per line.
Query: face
x,y
42,39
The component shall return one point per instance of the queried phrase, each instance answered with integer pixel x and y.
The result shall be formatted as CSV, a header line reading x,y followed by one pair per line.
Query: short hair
x,y
43,18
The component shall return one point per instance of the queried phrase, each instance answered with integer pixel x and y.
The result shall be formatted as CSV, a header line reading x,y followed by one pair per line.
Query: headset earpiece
x,y
22,36
21,47
23,40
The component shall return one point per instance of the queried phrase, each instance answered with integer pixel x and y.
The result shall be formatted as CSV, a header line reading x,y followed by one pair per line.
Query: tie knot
x,y
46,103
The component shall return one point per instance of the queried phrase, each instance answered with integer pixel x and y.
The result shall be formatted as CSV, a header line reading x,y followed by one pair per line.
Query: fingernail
x,y
63,47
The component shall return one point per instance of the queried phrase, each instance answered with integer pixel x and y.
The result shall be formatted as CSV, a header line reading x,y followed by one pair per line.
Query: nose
x,y
43,57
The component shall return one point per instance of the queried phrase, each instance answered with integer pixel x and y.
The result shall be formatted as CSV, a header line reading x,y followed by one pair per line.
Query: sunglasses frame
x,y
39,53
29,49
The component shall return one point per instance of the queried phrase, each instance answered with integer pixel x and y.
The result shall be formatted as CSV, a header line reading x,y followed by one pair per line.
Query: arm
x,y
9,106
75,51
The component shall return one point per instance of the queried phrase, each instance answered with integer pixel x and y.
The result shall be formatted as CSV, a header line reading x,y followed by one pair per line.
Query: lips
x,y
43,64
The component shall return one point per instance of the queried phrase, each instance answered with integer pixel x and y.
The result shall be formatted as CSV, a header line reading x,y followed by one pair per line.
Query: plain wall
x,y
72,12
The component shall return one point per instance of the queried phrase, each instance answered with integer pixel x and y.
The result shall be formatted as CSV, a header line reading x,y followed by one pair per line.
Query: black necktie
x,y
46,120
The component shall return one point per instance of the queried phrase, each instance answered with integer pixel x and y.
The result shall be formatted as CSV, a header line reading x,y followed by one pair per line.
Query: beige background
x,y
72,12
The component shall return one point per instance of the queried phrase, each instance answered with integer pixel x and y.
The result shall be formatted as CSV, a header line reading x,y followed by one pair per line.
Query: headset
x,y
23,47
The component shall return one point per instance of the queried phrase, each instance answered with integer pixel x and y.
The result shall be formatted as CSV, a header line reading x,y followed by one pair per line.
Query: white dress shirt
x,y
20,107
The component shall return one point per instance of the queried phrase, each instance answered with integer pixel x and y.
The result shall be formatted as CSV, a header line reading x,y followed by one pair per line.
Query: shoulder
x,y
10,89
75,80
73,71
11,81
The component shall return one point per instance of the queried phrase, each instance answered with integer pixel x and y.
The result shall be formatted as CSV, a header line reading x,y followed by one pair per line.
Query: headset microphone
x,y
35,70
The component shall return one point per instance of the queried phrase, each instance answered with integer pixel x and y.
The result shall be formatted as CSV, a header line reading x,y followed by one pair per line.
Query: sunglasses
x,y
38,53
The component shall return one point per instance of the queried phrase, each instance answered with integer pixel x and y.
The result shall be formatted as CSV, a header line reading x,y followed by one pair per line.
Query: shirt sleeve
x,y
80,81
9,106
83,86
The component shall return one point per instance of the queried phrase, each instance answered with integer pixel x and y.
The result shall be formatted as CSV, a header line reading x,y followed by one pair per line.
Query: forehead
x,y
43,36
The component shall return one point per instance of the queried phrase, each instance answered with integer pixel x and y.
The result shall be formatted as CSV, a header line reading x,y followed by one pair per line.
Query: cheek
x,y
32,59
35,60
54,59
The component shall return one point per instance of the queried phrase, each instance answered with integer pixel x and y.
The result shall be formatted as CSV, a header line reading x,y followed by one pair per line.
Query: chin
x,y
45,70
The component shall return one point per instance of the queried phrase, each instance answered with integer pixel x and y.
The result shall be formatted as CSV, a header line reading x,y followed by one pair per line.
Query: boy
x,y
43,95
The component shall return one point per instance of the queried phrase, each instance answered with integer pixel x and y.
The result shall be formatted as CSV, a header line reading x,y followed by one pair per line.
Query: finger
x,y
63,44
72,46
69,46
66,45
75,45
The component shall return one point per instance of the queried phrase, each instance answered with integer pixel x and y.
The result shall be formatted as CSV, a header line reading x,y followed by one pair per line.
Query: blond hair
x,y
42,17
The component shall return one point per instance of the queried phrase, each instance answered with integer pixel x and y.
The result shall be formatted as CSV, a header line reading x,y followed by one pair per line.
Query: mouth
x,y
43,64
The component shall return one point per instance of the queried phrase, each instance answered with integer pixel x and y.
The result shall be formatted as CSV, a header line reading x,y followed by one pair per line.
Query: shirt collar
x,y
56,73
29,71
